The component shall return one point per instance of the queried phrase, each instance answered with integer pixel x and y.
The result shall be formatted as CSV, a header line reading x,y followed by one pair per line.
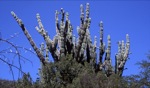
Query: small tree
x,y
141,80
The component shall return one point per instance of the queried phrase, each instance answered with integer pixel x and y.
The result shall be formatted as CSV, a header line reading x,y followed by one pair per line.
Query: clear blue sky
x,y
119,18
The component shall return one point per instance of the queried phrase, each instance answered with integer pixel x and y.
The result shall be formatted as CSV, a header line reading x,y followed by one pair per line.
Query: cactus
x,y
81,49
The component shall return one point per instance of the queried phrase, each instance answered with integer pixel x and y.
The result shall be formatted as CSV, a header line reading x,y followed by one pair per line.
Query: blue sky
x,y
119,18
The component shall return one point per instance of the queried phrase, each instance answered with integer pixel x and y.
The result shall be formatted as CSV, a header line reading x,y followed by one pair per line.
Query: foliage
x,y
68,73
142,80
25,82
6,83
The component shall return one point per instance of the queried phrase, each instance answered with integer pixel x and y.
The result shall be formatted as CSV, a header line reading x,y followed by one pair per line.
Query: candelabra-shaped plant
x,y
81,50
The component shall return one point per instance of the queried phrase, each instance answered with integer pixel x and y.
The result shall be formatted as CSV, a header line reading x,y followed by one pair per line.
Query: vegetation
x,y
79,76
142,80
6,83
76,64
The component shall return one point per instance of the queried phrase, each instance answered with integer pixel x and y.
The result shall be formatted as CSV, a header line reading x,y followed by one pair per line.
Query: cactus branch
x,y
41,57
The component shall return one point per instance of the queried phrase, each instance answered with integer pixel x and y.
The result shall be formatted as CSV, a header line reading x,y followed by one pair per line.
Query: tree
x,y
142,80
75,57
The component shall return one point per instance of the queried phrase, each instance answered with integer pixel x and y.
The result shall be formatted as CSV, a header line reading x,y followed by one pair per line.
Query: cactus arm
x,y
82,14
55,42
102,46
74,46
88,53
47,55
41,57
89,45
95,46
57,23
42,48
62,36
116,65
51,45
107,63
122,55
127,47
68,33
108,51
83,27
93,52
41,29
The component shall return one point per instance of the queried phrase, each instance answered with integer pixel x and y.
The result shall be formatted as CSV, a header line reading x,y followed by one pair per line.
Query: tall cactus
x,y
81,49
